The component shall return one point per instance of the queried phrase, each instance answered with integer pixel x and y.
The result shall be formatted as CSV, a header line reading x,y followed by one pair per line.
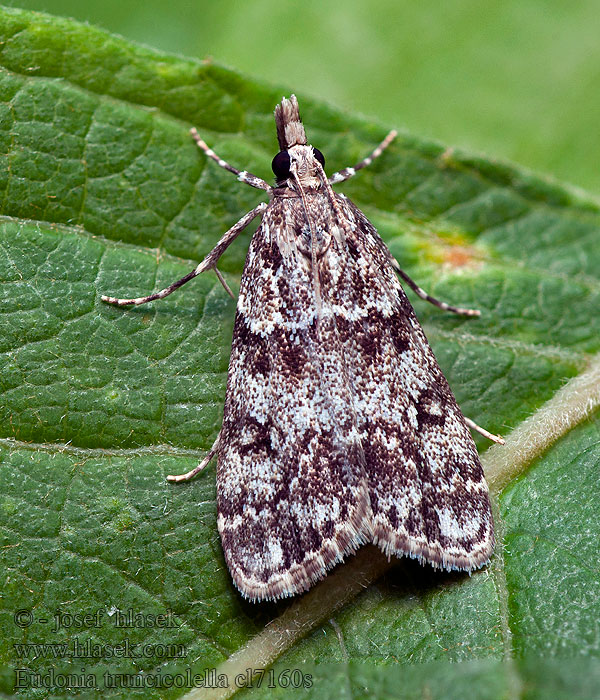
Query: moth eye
x,y
319,156
281,165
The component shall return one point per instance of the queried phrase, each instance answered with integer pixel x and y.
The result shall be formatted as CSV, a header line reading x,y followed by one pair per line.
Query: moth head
x,y
298,162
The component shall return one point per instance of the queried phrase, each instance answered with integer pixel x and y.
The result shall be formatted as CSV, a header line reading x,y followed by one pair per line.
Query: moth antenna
x,y
313,246
341,219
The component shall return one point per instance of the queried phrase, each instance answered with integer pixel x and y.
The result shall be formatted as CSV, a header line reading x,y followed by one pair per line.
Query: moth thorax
x,y
304,242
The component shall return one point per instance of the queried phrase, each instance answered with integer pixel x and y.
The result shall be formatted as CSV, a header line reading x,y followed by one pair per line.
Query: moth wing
x,y
339,432
292,494
428,495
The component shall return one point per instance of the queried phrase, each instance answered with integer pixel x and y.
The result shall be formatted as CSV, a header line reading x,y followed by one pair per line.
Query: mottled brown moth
x,y
339,427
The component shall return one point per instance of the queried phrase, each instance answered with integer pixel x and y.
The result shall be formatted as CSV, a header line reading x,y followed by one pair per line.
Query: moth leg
x,y
423,294
178,478
482,431
347,173
209,262
242,176
223,281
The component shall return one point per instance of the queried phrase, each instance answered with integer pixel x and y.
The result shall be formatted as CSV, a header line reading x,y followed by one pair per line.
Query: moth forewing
x,y
339,427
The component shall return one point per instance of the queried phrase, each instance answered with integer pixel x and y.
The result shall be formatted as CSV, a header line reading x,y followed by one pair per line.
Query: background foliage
x,y
513,78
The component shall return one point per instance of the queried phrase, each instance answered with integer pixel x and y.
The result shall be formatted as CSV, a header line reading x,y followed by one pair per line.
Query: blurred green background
x,y
516,79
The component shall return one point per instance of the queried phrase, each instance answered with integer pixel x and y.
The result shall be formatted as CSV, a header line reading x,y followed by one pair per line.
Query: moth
x,y
339,427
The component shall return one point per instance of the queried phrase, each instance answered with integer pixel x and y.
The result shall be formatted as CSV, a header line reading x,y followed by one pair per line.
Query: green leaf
x,y
103,191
